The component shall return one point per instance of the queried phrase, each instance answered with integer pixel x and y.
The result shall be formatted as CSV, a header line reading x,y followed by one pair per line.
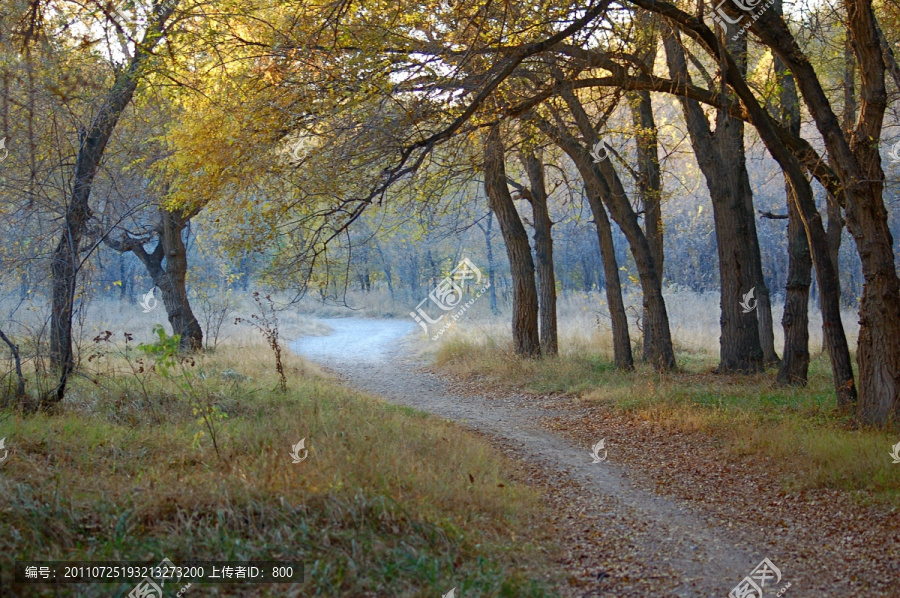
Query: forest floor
x,y
670,512
203,457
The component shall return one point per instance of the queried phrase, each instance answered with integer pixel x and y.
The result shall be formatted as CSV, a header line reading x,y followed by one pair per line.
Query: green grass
x,y
384,505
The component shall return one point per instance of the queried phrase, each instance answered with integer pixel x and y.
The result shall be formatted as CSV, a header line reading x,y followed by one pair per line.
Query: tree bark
x,y
795,321
649,183
525,301
720,155
622,354
543,247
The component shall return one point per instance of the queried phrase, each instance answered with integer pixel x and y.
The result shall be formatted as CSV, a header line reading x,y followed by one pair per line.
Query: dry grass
x,y
389,501
798,426
584,325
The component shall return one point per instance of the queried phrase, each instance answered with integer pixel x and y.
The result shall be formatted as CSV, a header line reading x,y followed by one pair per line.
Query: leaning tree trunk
x,y
621,337
543,248
595,190
521,266
65,263
662,354
835,228
764,301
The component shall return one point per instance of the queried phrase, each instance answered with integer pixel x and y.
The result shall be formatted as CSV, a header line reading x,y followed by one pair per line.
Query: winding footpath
x,y
624,540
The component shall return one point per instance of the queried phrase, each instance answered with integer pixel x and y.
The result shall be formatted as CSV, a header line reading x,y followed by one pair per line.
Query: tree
x,y
536,194
167,266
720,154
525,301
596,190
65,260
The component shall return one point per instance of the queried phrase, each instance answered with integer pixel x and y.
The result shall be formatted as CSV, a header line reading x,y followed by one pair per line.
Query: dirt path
x,y
622,539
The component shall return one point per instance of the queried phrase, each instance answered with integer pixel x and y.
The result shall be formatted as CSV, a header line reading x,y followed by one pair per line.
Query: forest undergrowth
x,y
155,454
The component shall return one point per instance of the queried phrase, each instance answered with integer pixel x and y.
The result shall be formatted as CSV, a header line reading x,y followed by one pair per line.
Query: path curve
x,y
674,544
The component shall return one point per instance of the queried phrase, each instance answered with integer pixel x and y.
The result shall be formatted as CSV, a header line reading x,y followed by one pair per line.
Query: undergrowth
x,y
156,455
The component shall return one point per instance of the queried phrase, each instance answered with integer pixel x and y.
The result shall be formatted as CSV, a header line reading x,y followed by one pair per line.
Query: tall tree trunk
x,y
720,155
521,266
795,321
663,357
649,183
543,247
65,260
622,354
650,189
